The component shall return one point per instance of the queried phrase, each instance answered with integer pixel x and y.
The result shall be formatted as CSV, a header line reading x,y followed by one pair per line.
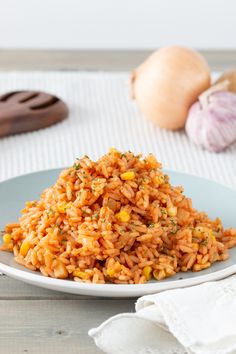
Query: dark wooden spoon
x,y
25,111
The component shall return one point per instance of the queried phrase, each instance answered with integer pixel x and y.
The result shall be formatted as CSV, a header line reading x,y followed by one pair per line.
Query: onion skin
x,y
212,126
231,77
168,83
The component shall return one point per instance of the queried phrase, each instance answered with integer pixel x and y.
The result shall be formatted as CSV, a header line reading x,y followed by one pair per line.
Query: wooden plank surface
x,y
103,60
11,289
40,321
53,326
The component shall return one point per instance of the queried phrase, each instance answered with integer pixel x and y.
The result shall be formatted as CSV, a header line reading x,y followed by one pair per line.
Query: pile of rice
x,y
115,220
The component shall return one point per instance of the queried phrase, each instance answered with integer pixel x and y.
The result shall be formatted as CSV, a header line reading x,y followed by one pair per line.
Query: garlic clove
x,y
213,126
221,86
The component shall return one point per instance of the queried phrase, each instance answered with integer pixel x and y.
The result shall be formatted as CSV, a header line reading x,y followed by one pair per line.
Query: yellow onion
x,y
168,83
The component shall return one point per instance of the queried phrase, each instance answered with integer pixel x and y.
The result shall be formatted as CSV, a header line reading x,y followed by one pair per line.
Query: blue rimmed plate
x,y
215,199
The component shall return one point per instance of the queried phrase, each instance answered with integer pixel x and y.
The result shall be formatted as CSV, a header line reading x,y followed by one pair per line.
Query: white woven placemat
x,y
101,115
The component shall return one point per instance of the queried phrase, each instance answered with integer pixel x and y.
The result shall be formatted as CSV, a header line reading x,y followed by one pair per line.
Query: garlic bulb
x,y
211,121
168,83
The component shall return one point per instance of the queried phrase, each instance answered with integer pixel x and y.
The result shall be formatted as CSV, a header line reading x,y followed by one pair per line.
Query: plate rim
x,y
112,290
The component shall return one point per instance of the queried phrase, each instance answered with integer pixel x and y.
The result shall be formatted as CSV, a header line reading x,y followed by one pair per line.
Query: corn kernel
x,y
159,274
30,204
160,179
123,216
61,208
82,275
212,236
110,272
24,248
128,176
7,238
77,272
172,211
195,246
147,272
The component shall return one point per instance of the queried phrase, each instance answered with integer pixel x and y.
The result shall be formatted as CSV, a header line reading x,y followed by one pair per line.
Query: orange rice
x,y
117,220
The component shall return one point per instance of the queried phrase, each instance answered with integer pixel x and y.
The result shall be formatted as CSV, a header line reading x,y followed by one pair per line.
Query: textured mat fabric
x,y
101,115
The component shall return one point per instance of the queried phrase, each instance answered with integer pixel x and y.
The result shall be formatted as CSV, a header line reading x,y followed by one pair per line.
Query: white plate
x,y
209,196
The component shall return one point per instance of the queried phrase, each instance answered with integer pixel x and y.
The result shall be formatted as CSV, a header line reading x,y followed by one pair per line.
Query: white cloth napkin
x,y
200,320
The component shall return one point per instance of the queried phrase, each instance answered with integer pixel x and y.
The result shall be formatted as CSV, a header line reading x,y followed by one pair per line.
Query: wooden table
x,y
95,60
35,320
40,321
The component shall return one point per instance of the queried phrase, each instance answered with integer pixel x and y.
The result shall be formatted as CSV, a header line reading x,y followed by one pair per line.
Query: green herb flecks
x,y
49,212
204,242
84,212
76,166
